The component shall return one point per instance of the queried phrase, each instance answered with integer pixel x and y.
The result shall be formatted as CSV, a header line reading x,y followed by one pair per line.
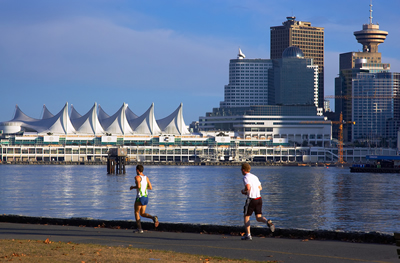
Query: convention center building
x,y
74,138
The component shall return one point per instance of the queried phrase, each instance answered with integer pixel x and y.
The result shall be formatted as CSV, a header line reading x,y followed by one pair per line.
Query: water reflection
x,y
294,197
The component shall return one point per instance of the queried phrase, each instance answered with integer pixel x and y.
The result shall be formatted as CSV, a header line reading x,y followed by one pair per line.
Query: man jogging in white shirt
x,y
252,188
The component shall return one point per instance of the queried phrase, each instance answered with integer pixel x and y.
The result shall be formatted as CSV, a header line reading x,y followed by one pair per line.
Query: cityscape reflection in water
x,y
293,197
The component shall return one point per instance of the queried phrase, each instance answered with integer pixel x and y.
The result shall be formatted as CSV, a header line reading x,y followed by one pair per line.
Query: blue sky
x,y
156,51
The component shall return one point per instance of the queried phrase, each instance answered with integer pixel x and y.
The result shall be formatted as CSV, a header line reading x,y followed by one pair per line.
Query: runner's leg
x,y
247,224
137,215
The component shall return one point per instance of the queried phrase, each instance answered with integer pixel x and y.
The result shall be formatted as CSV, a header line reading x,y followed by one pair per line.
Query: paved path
x,y
261,249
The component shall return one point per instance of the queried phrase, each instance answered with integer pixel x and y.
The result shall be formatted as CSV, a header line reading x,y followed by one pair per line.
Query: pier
x,y
116,161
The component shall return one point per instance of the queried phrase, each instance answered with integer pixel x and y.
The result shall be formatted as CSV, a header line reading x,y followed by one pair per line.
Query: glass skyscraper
x,y
374,103
295,79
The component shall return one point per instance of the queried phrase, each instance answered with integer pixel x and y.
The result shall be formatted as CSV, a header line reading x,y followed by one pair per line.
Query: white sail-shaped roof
x,y
145,124
20,116
130,115
87,124
46,113
74,114
102,115
117,124
174,123
58,124
123,122
14,125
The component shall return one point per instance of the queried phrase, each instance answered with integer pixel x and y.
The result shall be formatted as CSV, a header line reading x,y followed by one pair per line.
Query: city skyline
x,y
166,53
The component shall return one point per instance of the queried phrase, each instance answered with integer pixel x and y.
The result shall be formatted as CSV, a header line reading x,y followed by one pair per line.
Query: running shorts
x,y
144,200
252,205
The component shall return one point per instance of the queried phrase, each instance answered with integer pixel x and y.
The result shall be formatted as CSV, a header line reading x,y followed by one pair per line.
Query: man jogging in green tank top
x,y
142,185
252,188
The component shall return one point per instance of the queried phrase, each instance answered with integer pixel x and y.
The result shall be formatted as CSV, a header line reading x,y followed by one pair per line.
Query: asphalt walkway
x,y
261,249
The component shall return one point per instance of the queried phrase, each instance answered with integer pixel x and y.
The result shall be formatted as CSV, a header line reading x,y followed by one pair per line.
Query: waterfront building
x,y
197,150
271,124
366,92
308,38
79,139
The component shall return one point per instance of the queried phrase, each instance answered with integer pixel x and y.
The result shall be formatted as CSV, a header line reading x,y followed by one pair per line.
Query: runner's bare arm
x,y
246,189
137,182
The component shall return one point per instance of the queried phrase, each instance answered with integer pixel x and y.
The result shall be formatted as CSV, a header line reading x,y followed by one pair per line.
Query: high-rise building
x,y
357,69
290,80
308,38
295,79
271,100
374,105
248,82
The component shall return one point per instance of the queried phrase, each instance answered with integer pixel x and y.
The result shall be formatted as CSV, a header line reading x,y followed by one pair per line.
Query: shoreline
x,y
356,237
293,164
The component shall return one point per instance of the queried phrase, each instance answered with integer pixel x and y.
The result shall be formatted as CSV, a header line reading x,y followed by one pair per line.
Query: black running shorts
x,y
252,205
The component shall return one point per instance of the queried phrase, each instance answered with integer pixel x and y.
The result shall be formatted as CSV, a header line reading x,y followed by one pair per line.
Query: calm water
x,y
294,197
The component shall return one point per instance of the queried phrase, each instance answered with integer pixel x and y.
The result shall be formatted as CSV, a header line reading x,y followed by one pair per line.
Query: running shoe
x,y
271,225
155,220
140,231
247,237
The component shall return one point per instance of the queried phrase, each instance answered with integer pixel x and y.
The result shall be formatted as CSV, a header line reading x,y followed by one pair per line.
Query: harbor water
x,y
325,198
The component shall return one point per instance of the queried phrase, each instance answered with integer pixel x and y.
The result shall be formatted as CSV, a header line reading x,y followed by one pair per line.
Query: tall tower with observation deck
x,y
359,96
370,37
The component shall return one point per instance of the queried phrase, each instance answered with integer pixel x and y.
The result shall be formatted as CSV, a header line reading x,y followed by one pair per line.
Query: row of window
x,y
315,41
246,74
233,78
251,101
309,32
264,84
237,65
236,81
233,67
242,88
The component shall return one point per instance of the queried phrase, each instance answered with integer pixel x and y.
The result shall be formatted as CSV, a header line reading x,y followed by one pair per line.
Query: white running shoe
x,y
247,237
271,225
140,231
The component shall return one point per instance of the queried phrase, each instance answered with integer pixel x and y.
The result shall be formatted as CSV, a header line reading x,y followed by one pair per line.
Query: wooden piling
x,y
116,161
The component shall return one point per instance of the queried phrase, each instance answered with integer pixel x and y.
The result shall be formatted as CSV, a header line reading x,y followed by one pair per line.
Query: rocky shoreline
x,y
358,237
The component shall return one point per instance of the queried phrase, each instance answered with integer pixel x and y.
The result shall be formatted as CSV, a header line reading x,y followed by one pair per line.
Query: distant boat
x,y
382,164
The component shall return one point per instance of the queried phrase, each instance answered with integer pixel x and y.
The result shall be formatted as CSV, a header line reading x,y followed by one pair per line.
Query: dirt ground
x,y
48,251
